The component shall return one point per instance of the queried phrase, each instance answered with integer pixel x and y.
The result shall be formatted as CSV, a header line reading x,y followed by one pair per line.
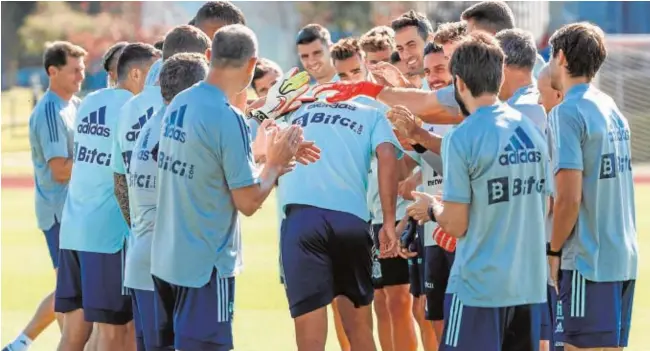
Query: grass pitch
x,y
262,320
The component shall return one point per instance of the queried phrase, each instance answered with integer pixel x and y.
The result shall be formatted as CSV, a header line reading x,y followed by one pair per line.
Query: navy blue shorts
x,y
52,240
437,266
595,314
93,281
325,254
144,319
394,271
195,319
515,328
416,268
549,315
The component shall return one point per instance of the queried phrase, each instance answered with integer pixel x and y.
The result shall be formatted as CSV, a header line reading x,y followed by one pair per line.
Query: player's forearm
x,y
430,141
406,166
423,104
452,223
565,215
387,174
121,191
268,179
61,169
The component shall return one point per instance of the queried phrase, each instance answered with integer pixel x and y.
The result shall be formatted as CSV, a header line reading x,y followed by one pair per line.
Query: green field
x,y
262,320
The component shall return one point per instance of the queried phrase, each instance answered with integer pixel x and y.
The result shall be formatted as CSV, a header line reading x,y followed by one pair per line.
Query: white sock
x,y
21,343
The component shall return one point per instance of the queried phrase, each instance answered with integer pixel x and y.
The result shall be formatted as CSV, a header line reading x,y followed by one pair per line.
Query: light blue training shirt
x,y
590,134
496,162
51,133
92,220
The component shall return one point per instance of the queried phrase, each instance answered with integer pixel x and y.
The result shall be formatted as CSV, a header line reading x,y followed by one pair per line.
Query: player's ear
x,y
251,65
561,58
208,54
52,71
460,84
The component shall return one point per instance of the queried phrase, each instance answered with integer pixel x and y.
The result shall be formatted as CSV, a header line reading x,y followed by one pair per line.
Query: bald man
x,y
549,98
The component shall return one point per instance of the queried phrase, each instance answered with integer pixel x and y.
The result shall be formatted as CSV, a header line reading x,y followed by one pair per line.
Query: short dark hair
x,y
56,54
185,38
432,48
192,22
223,12
491,15
519,47
180,72
378,39
233,46
450,32
112,54
394,58
413,19
583,45
159,44
345,49
262,68
312,32
478,61
134,54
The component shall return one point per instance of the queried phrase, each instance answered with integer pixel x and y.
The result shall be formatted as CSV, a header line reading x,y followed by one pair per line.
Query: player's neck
x,y
226,80
481,101
60,92
516,80
570,82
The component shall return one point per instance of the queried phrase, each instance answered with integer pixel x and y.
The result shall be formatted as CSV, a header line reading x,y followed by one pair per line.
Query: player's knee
x,y
418,310
399,302
110,332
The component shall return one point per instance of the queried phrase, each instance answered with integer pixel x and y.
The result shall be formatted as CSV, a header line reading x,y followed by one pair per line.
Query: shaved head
x,y
548,96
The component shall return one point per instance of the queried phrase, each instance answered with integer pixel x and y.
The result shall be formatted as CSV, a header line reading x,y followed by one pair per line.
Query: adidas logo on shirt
x,y
174,125
520,150
95,124
132,135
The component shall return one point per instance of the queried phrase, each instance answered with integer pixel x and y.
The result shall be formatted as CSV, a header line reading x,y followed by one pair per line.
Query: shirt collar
x,y
217,93
577,89
487,109
524,90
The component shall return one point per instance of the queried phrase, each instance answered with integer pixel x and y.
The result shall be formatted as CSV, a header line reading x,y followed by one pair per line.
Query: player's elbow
x,y
247,210
60,177
568,202
247,206
60,170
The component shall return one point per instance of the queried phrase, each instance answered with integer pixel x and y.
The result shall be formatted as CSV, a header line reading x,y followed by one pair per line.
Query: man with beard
x,y
496,284
412,31
594,230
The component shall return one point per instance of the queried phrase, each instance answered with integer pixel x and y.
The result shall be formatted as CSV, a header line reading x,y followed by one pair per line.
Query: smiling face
x,y
315,57
263,84
410,47
351,69
436,70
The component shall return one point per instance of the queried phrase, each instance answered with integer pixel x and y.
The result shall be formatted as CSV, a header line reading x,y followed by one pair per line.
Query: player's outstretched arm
x,y
422,103
121,191
282,148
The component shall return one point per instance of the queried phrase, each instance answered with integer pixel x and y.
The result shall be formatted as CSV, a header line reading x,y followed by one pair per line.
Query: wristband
x,y
419,148
432,215
552,253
